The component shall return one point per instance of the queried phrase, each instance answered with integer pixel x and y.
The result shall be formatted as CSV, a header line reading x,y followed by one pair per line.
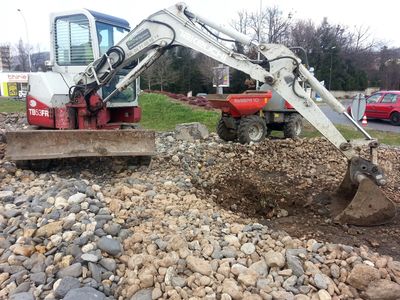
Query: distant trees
x,y
16,58
344,58
22,57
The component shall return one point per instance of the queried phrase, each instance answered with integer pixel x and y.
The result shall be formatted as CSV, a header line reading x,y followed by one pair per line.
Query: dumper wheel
x,y
251,129
293,126
225,133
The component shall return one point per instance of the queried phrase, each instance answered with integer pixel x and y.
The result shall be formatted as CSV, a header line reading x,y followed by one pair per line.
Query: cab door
x,y
370,110
384,107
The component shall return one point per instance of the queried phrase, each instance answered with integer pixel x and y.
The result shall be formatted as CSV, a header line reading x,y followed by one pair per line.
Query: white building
x,y
11,83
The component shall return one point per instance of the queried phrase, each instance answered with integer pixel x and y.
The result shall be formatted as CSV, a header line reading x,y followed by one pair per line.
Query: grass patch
x,y
350,133
159,113
9,105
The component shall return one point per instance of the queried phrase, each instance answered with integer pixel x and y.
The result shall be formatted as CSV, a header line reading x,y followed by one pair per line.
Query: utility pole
x,y
259,41
330,69
27,40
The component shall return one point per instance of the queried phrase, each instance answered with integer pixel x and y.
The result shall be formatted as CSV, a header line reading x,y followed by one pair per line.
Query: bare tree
x,y
241,24
269,26
160,73
206,65
361,40
303,34
22,56
277,25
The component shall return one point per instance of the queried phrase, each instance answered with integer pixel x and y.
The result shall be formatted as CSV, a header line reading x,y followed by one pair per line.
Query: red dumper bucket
x,y
238,105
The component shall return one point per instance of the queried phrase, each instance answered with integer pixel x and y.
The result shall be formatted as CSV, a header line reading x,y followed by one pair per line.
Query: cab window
x,y
389,98
109,35
374,98
73,43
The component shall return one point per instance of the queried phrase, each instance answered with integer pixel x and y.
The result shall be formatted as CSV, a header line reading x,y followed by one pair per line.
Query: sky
x,y
380,16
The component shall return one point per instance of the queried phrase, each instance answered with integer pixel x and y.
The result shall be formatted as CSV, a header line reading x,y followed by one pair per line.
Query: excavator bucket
x,y
364,204
51,144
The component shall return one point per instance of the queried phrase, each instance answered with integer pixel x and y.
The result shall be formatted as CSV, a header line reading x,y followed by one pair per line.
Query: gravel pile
x,y
183,228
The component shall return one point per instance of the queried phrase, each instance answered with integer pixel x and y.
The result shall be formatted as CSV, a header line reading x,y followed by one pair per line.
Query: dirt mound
x,y
284,184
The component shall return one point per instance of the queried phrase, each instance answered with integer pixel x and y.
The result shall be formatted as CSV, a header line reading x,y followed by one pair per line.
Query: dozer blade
x,y
362,205
49,144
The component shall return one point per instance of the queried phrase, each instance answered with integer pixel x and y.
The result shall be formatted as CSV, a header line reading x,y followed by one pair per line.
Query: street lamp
x,y
27,39
330,69
259,42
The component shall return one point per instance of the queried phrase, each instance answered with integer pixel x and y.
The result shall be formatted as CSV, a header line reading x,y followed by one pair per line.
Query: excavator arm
x,y
178,26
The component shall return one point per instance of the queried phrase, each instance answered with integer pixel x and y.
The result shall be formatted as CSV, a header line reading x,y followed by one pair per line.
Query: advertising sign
x,y
221,77
12,89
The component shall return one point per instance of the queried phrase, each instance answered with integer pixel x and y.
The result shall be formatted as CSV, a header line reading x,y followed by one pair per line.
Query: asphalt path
x,y
383,125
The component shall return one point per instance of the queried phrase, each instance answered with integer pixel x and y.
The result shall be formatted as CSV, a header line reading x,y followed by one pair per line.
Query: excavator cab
x,y
72,129
82,36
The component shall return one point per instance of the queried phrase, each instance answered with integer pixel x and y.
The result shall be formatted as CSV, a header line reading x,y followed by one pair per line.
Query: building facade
x,y
11,83
5,58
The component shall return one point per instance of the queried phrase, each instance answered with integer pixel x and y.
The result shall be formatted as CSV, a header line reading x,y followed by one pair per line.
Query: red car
x,y
384,105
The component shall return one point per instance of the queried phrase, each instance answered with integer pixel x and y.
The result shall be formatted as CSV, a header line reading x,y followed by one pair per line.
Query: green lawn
x,y
159,113
350,133
11,105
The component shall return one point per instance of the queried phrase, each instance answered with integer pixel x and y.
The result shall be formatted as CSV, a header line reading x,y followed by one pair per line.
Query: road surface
x,y
336,118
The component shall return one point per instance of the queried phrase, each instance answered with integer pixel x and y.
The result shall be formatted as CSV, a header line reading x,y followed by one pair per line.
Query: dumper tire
x,y
225,133
252,129
293,126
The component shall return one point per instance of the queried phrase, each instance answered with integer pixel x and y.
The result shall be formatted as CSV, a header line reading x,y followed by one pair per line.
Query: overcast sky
x,y
381,17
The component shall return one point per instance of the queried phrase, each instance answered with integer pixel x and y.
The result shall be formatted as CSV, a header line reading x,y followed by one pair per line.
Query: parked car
x,y
384,105
204,95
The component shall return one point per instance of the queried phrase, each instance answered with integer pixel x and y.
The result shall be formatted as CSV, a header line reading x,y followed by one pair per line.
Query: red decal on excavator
x,y
38,113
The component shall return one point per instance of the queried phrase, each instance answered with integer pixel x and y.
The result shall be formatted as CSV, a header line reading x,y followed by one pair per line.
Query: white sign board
x,y
221,77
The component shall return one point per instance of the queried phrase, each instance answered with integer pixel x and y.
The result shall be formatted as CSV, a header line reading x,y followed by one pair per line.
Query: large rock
x,y
383,290
49,229
260,267
85,293
394,268
191,131
294,264
111,246
74,270
5,195
231,287
320,281
198,265
324,295
22,296
362,275
76,198
248,278
65,285
144,294
274,259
